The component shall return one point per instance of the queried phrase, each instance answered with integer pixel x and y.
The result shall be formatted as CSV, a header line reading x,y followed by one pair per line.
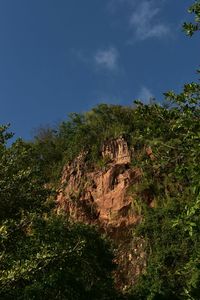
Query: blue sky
x,y
62,56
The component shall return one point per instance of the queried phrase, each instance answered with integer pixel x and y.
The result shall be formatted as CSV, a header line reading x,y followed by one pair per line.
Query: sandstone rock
x,y
100,195
117,150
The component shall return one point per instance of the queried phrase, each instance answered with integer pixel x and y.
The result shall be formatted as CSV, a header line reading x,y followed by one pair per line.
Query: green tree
x,y
43,255
21,180
53,259
4,136
190,28
172,229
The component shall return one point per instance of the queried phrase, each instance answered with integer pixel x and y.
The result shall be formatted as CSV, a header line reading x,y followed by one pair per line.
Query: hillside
x,y
133,173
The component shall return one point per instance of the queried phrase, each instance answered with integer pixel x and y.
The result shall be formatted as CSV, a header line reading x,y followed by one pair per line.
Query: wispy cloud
x,y
144,21
145,95
107,59
143,17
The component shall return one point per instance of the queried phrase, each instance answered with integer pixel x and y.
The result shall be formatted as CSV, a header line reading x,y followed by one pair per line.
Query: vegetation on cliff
x,y
46,256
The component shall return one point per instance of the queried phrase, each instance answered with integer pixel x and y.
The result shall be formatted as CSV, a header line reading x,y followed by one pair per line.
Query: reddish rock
x,y
102,194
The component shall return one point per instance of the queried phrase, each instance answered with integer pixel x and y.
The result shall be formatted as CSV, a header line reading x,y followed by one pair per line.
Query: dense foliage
x,y
171,178
45,256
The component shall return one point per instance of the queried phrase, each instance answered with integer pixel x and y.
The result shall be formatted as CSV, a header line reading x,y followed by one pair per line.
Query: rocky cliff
x,y
101,196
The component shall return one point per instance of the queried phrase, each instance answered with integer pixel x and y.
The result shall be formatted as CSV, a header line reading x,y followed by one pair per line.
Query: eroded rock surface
x,y
100,195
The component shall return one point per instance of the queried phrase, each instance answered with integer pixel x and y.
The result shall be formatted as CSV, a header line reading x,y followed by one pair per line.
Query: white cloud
x,y
143,17
145,95
102,59
144,21
107,59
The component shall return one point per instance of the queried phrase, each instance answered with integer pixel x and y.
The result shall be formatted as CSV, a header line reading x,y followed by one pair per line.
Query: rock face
x,y
100,195
117,151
